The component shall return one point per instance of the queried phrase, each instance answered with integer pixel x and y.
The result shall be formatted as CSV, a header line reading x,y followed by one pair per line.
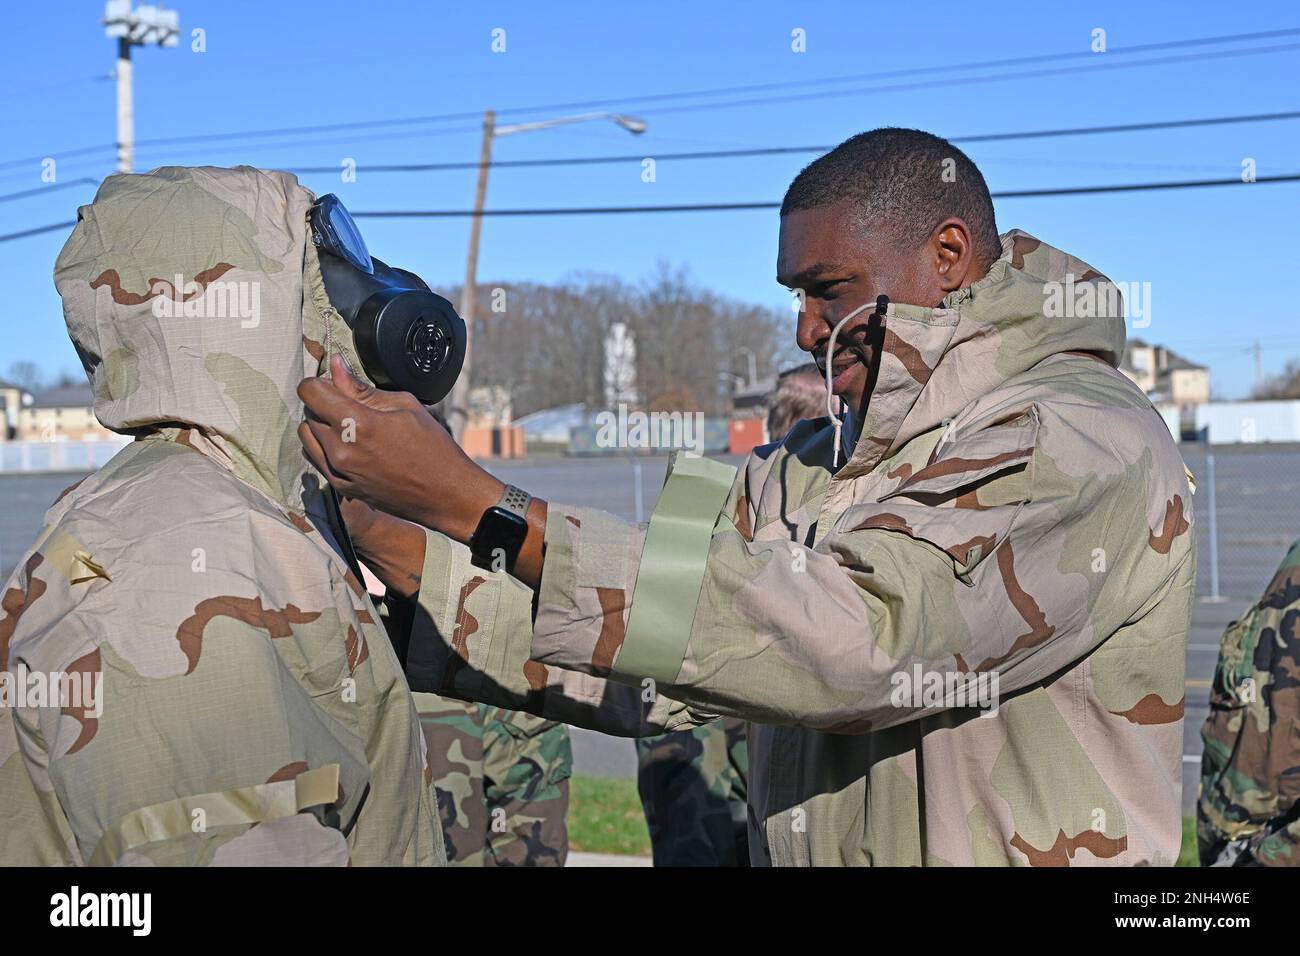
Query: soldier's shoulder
x,y
1099,406
152,534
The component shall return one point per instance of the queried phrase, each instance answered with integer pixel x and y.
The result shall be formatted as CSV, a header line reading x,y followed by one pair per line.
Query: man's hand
x,y
386,449
391,548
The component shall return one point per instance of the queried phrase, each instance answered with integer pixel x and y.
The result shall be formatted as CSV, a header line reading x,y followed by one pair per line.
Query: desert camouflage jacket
x,y
241,675
1249,807
1013,508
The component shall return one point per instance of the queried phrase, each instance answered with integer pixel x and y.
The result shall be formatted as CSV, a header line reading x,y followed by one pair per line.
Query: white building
x,y
1228,423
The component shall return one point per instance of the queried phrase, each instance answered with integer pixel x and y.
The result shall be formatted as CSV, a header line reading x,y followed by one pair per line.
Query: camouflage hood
x,y
243,704
1035,302
196,305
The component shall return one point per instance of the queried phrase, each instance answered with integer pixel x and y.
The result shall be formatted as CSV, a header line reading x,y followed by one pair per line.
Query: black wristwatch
x,y
501,531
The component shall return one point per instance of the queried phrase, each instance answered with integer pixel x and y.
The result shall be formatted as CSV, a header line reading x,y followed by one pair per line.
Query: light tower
x,y
146,24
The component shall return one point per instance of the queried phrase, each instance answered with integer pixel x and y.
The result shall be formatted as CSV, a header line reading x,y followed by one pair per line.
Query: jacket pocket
x,y
964,501
970,466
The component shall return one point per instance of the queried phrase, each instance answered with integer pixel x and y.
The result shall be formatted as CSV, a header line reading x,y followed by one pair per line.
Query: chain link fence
x,y
1246,507
1247,514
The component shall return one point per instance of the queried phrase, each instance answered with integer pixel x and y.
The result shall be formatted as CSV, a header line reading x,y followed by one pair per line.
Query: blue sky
x,y
1220,261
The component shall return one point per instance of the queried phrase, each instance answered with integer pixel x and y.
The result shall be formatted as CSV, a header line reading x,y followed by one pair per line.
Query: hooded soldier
x,y
240,703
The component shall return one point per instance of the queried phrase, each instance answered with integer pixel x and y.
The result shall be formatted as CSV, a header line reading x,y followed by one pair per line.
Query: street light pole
x,y
457,409
146,24
458,403
125,109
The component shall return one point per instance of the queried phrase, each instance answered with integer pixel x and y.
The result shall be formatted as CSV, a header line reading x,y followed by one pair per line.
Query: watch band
x,y
515,500
501,530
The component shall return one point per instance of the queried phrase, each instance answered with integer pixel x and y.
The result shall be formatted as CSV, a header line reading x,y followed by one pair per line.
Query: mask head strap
x,y
881,304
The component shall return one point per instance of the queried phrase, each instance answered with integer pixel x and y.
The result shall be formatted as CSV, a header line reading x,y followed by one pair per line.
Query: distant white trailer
x,y
1247,423
1172,420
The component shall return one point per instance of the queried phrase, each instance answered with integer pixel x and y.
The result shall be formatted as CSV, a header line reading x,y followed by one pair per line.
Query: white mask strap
x,y
880,305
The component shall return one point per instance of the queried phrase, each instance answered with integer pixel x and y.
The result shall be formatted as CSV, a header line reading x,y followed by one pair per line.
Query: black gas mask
x,y
408,338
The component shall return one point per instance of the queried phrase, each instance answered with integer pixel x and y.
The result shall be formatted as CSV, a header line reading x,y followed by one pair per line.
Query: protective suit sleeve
x,y
472,638
897,596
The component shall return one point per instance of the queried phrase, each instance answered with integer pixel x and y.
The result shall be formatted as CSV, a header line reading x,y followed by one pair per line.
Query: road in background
x,y
1257,500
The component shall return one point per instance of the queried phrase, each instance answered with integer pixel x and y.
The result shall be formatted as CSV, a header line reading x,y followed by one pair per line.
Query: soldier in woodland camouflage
x,y
502,782
1248,813
249,708
692,786
1006,510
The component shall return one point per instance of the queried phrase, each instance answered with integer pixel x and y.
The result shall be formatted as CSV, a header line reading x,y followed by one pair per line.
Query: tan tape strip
x,y
257,804
69,557
672,568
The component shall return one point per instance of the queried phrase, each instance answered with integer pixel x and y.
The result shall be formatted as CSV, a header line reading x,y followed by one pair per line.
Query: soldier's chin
x,y
848,383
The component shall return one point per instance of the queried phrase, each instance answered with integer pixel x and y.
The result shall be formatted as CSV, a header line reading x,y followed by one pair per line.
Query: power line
x,y
46,87
739,206
49,189
692,94
749,88
62,154
1142,187
779,150
987,78
629,101
37,231
795,97
325,141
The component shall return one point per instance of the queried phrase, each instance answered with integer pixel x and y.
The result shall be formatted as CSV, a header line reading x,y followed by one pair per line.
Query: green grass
x,y
1188,856
605,816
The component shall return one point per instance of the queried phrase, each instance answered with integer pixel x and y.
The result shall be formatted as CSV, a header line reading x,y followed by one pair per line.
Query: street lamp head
x,y
631,123
144,25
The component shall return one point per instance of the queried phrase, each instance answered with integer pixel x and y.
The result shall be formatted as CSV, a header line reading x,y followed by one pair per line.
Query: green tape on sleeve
x,y
672,568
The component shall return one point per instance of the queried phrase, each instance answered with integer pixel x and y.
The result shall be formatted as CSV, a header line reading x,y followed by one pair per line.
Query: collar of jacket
x,y
1035,302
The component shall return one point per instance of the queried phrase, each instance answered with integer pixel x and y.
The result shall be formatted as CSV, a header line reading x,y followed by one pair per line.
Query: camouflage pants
x,y
502,783
693,788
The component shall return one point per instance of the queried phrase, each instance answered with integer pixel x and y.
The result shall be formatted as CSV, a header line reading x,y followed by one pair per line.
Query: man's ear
x,y
954,254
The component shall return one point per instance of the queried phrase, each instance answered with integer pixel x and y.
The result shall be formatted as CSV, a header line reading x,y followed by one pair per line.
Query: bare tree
x,y
26,375
545,344
1286,384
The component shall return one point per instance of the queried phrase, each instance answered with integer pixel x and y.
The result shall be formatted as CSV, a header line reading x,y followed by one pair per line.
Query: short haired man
x,y
957,633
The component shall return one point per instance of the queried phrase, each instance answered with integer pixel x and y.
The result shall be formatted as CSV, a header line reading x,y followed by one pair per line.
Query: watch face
x,y
497,541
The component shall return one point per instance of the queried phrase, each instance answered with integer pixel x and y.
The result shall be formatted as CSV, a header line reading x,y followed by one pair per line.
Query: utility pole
x,y
1259,366
144,25
457,408
458,401
125,108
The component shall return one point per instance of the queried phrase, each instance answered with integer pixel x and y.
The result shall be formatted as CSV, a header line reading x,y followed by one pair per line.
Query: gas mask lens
x,y
334,231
